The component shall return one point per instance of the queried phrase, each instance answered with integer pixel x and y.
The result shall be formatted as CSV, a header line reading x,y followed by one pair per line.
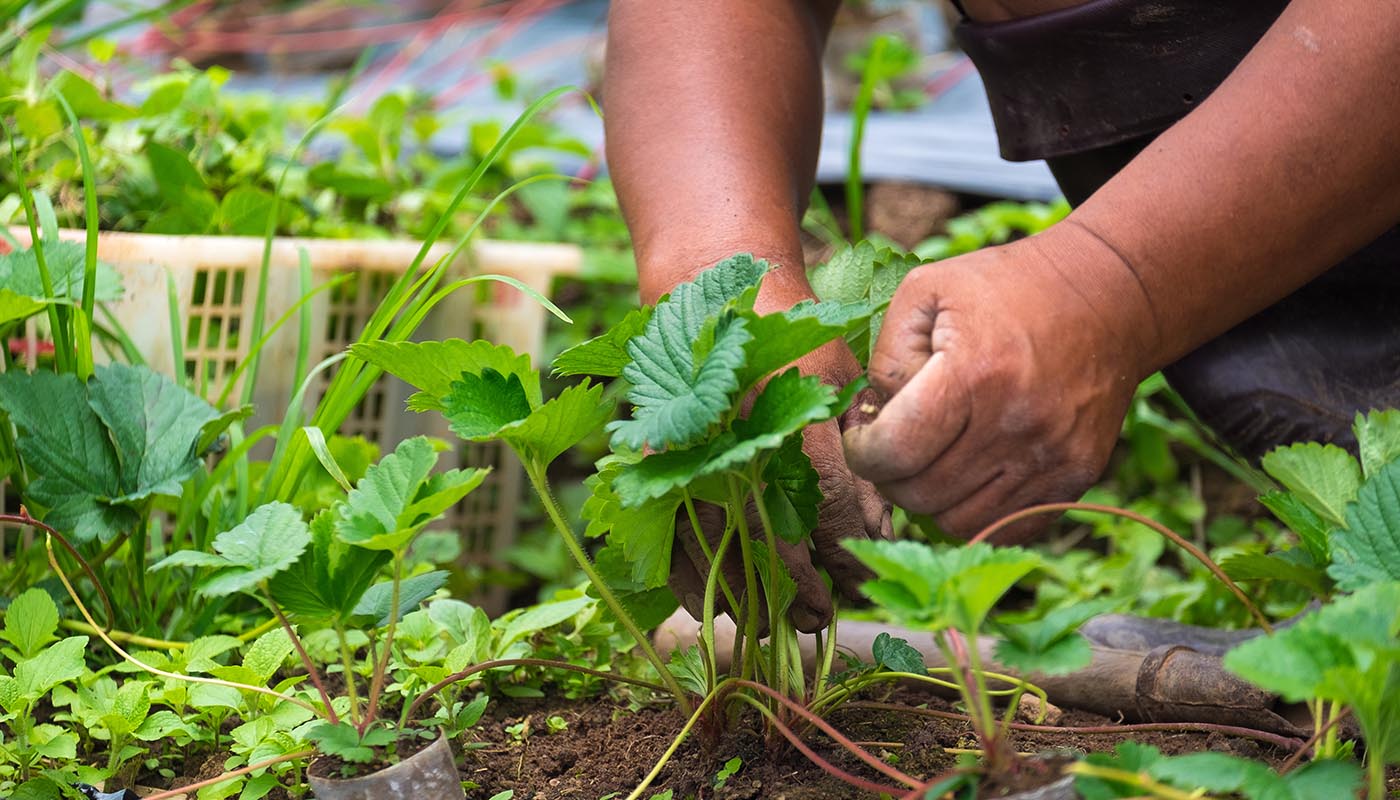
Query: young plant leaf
x,y
606,355
1295,566
779,339
791,492
1050,645
936,589
269,541
400,496
1324,477
488,406
897,655
155,424
327,582
481,404
679,397
1367,549
377,602
66,261
1302,520
786,405
65,447
432,367
1378,439
31,622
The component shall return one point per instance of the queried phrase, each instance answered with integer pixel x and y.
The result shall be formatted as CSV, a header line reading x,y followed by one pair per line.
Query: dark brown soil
x,y
607,748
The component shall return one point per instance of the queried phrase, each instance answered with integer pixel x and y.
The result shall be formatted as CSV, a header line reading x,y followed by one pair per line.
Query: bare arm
x,y
1010,369
713,117
1287,168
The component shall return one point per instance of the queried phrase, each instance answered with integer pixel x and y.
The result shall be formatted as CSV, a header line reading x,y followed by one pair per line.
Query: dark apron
x,y
1086,89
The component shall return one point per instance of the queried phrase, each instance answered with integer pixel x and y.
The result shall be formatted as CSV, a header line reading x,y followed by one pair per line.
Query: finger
x,y
811,610
843,513
915,427
947,483
906,338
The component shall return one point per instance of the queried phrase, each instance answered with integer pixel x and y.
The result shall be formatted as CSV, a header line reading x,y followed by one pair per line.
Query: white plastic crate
x,y
216,285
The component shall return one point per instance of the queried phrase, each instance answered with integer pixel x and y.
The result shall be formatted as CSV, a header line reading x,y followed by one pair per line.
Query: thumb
x,y
916,426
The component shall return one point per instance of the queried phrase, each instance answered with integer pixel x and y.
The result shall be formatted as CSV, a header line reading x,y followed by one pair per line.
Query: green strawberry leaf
x,y
156,426
1367,550
845,277
779,339
327,582
897,655
791,492
342,741
481,404
1378,439
400,496
604,356
1294,566
541,435
936,589
1324,477
67,264
1051,644
786,405
269,541
15,306
67,451
377,603
677,397
648,606
1302,520
432,367
678,394
31,622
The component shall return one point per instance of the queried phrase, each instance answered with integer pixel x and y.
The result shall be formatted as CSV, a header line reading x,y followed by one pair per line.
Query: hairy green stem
x,y
348,664
779,630
538,480
381,667
751,611
311,671
707,620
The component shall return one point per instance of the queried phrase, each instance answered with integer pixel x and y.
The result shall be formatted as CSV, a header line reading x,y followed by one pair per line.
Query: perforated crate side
x,y
216,283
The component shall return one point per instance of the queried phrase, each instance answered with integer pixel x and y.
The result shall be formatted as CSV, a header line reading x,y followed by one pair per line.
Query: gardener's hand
x,y
1008,372
851,507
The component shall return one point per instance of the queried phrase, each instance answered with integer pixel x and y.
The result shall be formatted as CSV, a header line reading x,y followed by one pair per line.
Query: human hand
x,y
1007,377
851,507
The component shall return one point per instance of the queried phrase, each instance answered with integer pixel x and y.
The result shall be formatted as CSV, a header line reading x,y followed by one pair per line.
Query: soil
x,y
608,748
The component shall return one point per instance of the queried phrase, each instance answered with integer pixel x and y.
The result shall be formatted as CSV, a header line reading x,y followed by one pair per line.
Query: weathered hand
x,y
1007,378
851,508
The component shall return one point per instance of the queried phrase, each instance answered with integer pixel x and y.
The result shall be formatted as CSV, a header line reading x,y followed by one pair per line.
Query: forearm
x,y
1284,170
713,119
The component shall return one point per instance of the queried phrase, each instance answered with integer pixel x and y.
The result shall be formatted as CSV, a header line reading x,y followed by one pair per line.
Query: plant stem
x,y
381,666
824,765
780,632
1168,533
537,478
751,649
707,621
185,790
1138,780
122,636
348,664
1281,742
311,671
1325,730
23,518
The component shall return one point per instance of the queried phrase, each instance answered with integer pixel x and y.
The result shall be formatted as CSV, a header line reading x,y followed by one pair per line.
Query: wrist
x,y
784,286
1084,269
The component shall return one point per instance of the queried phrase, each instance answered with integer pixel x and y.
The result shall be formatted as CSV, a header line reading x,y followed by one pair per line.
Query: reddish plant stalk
x,y
1168,533
23,518
1281,742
